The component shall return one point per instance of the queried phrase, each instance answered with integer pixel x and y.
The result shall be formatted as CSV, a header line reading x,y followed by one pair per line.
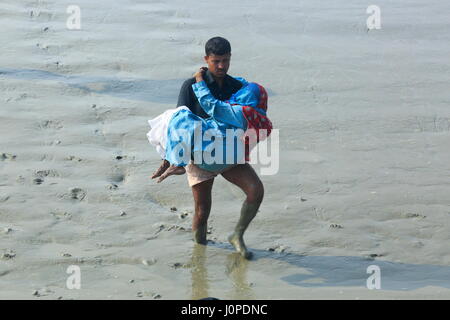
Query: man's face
x,y
218,65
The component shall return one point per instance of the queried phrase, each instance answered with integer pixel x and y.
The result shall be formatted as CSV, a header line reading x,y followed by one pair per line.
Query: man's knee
x,y
255,192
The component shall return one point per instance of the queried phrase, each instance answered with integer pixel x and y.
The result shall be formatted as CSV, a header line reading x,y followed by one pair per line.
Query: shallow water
x,y
157,91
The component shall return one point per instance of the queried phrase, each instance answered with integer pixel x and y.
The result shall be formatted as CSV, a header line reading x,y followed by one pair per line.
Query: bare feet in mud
x,y
172,170
238,243
200,234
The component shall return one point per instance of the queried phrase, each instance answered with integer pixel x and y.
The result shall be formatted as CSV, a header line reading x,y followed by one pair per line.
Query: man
x,y
222,86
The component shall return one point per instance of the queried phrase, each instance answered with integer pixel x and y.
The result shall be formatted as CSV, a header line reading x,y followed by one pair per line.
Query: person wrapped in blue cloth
x,y
217,143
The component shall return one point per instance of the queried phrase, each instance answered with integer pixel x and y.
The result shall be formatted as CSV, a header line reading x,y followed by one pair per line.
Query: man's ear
x,y
206,59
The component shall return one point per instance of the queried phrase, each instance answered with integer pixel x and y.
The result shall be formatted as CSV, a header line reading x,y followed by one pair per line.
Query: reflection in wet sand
x,y
237,271
199,273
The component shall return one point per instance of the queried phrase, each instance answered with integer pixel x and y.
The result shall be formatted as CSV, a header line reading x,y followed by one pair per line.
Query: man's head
x,y
218,55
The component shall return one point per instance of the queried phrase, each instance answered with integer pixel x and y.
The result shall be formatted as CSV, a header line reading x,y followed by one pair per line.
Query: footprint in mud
x,y
7,230
42,292
7,156
47,157
73,158
20,180
117,176
124,157
149,262
373,256
9,254
38,181
61,214
407,215
46,173
164,227
277,248
50,124
76,194
112,186
41,174
153,295
413,215
41,15
177,265
52,143
101,114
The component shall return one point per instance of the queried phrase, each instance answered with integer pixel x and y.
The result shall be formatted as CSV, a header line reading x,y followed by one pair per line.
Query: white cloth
x,y
157,135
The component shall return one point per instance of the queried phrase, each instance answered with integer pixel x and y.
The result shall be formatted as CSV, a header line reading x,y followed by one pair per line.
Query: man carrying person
x,y
222,86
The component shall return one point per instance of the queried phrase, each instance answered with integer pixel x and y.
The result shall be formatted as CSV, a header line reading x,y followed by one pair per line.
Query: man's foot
x,y
200,235
172,170
238,243
163,167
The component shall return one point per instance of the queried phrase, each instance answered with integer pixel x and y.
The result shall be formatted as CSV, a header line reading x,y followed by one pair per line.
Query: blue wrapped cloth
x,y
190,137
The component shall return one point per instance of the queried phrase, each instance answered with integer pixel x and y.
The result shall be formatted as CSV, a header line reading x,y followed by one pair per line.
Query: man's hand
x,y
199,74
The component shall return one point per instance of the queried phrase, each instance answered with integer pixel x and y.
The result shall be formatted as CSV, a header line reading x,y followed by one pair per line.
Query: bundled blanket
x,y
224,139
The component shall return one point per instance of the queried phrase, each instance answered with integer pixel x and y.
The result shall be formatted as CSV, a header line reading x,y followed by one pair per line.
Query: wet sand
x,y
364,143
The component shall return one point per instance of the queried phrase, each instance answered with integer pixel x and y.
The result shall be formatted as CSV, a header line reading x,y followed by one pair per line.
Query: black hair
x,y
218,46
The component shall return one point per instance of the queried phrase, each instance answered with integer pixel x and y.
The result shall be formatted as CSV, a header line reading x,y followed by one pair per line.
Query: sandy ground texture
x,y
364,151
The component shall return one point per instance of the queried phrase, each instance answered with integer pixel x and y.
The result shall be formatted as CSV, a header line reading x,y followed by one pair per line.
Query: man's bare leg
x,y
202,199
163,167
245,178
172,170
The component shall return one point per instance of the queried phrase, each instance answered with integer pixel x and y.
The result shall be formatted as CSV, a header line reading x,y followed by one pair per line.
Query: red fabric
x,y
256,121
